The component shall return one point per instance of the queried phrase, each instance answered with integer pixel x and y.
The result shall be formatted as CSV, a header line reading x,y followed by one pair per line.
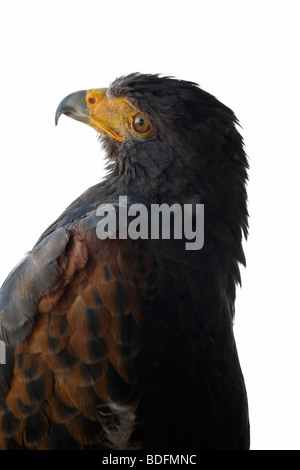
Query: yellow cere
x,y
113,115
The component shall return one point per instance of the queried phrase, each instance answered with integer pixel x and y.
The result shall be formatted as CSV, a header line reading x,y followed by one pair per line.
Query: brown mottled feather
x,y
84,337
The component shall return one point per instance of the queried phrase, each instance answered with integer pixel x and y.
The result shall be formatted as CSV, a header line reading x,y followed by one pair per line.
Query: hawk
x,y
119,342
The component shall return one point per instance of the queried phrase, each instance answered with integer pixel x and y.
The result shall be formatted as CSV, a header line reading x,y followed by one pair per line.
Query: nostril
x,y
92,100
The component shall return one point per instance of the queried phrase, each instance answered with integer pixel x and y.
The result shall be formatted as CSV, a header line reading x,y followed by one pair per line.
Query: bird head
x,y
170,138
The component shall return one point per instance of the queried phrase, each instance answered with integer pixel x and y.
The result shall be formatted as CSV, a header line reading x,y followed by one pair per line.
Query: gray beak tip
x,y
74,106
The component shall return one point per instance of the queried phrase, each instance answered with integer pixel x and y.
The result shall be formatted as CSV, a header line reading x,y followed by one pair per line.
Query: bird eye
x,y
141,124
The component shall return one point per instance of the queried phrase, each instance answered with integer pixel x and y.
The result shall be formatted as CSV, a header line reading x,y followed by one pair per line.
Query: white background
x,y
244,52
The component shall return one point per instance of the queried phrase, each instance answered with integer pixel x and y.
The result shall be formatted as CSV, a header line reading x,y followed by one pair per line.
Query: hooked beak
x,y
74,106
106,114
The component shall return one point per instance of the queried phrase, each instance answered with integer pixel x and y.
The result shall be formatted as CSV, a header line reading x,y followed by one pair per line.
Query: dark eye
x,y
141,124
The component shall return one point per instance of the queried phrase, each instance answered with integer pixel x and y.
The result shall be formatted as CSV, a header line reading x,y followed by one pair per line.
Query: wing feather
x,y
71,312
